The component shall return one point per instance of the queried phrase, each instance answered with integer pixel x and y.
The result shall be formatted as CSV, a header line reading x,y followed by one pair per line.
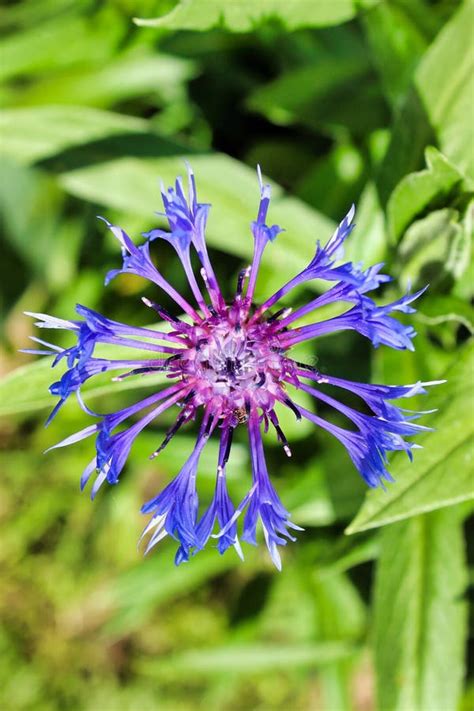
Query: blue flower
x,y
232,361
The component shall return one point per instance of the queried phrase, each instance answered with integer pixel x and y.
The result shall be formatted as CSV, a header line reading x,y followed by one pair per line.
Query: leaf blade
x,y
244,15
445,83
31,134
420,618
429,484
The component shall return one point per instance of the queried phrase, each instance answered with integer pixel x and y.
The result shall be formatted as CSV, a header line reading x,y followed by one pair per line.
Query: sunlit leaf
x,y
41,131
132,75
249,659
442,473
437,108
419,191
420,615
445,82
244,15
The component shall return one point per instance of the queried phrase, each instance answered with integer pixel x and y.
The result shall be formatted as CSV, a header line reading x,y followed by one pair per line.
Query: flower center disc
x,y
235,361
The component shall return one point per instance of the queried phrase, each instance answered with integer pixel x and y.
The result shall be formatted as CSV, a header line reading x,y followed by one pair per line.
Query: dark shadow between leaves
x,y
126,145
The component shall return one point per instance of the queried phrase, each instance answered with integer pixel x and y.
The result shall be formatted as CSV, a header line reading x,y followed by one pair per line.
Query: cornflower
x,y
230,361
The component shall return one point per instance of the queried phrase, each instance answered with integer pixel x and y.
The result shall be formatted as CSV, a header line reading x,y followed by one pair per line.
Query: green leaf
x,y
396,44
131,75
434,247
419,191
245,15
35,133
445,83
65,40
437,108
442,473
247,659
25,390
420,614
464,286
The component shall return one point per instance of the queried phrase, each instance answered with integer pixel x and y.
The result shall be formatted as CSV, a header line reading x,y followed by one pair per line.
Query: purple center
x,y
237,364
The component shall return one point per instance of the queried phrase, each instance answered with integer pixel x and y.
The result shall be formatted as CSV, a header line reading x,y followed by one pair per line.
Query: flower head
x,y
231,360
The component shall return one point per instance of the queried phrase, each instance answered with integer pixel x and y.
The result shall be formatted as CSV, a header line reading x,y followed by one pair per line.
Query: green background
x,y
339,101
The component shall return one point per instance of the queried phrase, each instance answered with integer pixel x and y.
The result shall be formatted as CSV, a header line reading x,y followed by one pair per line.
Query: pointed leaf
x,y
420,614
443,472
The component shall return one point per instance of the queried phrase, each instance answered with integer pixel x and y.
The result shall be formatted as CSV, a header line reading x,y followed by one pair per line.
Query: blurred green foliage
x,y
340,101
